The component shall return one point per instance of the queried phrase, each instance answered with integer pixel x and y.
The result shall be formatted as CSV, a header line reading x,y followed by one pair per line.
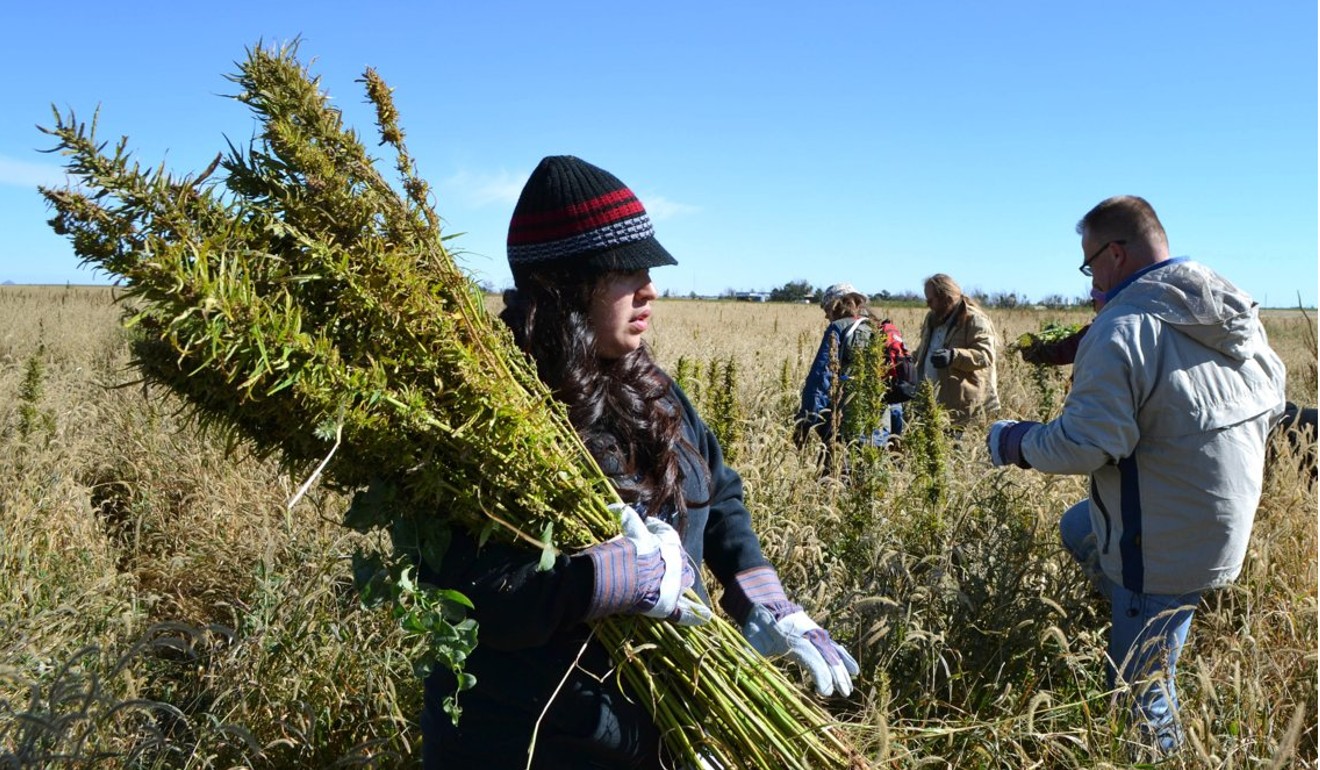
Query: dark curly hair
x,y
621,408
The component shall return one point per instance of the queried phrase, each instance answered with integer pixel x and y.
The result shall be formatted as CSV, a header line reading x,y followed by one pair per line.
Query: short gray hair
x,y
1124,217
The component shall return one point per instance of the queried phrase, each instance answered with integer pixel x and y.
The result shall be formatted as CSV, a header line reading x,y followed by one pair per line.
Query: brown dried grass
x,y
139,562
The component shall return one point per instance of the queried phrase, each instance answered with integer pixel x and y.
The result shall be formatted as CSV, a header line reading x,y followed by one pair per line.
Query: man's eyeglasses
x,y
1086,266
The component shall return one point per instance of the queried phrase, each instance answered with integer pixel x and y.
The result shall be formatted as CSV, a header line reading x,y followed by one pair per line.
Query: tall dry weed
x,y
159,604
162,607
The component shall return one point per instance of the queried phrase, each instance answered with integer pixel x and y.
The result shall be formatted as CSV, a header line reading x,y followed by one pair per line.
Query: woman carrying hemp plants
x,y
580,249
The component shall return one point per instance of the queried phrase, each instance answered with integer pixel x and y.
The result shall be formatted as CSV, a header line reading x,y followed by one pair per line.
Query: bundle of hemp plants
x,y
1047,380
302,304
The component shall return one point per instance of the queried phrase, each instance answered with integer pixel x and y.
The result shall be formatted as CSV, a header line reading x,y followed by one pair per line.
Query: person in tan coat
x,y
957,352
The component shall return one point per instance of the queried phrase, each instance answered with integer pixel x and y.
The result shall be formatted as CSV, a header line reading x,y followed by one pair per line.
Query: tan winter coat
x,y
968,387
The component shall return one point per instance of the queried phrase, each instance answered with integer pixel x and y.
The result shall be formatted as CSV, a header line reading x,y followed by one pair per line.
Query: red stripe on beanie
x,y
575,218
579,209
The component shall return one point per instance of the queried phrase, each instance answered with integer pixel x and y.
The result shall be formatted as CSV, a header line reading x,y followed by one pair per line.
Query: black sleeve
x,y
1059,353
517,605
730,545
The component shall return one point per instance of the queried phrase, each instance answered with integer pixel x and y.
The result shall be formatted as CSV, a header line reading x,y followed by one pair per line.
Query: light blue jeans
x,y
1147,634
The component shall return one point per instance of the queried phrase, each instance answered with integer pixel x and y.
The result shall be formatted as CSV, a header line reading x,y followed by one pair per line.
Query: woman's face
x,y
621,311
939,304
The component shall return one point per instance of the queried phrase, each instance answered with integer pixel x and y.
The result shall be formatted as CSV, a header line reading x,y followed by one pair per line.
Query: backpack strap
x,y
846,341
848,333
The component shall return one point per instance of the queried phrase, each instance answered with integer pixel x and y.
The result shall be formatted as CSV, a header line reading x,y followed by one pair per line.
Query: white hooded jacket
x,y
1175,390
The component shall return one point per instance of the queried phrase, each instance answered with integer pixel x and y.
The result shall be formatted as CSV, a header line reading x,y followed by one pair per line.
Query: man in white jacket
x,y
1175,389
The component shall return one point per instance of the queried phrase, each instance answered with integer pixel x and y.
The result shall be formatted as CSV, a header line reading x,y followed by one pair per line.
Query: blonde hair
x,y
944,286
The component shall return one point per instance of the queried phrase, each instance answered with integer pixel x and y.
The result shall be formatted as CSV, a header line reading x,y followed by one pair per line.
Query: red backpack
x,y
902,376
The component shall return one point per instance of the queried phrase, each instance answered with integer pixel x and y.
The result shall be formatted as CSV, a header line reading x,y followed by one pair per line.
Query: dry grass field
x,y
160,607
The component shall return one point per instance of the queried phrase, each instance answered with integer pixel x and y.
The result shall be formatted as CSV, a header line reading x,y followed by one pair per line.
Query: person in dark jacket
x,y
1054,352
1061,352
851,327
1298,427
580,248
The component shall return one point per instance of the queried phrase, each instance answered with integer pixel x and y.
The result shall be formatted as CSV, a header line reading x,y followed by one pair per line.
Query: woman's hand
x,y
645,571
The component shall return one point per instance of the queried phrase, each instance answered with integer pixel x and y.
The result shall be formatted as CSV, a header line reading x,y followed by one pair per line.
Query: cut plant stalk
x,y
302,298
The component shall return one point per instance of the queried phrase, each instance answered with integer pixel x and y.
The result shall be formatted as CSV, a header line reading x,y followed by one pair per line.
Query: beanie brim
x,y
639,255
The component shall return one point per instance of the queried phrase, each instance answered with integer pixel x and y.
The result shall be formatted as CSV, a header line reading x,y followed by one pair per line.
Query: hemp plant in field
x,y
31,418
928,446
302,303
864,390
723,413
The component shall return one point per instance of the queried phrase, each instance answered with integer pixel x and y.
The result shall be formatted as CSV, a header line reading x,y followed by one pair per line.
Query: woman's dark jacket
x,y
532,632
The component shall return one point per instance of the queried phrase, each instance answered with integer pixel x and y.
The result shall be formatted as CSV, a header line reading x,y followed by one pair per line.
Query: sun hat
x,y
837,292
574,215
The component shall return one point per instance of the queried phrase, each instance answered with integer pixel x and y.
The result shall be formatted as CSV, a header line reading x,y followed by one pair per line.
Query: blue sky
x,y
870,142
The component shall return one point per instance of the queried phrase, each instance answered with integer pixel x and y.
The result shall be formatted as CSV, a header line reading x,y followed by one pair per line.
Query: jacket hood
x,y
1199,303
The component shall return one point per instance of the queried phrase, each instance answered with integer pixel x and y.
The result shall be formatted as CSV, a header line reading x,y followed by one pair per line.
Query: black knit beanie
x,y
579,218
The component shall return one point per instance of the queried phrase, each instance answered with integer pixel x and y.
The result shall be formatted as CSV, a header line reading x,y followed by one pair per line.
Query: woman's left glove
x,y
645,571
775,626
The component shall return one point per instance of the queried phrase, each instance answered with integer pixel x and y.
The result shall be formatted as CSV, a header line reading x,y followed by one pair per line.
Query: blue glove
x,y
941,358
1005,442
775,626
645,572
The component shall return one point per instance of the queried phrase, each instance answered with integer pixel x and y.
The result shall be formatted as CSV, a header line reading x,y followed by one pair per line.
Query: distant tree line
x,y
802,291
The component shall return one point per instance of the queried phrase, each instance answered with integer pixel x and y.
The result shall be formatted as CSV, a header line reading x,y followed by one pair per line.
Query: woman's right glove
x,y
645,571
